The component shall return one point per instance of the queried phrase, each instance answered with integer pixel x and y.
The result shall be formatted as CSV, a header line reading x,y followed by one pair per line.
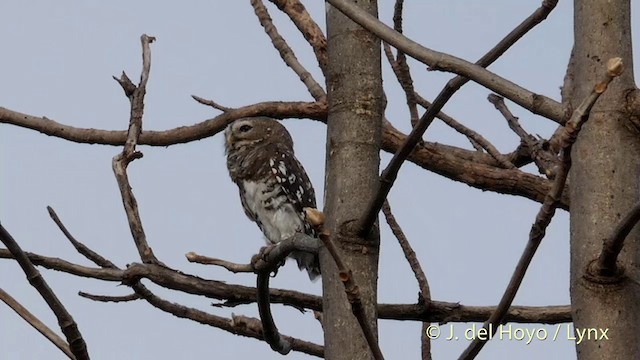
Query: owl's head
x,y
253,132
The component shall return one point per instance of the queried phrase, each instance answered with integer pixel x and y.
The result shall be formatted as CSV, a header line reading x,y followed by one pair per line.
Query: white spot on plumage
x,y
278,221
282,167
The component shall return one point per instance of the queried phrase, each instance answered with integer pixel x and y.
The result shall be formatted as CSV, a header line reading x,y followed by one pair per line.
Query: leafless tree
x,y
597,136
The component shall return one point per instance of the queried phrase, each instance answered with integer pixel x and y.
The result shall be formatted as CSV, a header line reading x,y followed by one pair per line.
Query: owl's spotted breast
x,y
274,187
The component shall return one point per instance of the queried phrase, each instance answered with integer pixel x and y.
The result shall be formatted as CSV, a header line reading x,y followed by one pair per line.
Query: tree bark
x,y
604,184
355,98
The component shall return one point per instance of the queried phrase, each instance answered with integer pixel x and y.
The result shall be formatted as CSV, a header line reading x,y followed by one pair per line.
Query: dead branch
x,y
544,216
606,265
286,53
409,254
542,156
470,167
121,161
390,173
109,298
211,103
423,284
308,28
473,136
538,104
353,295
32,320
68,326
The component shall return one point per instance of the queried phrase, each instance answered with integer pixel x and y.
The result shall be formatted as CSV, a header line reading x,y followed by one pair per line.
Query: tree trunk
x,y
354,87
604,183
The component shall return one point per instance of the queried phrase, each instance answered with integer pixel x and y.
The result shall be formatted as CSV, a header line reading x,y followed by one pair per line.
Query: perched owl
x,y
274,188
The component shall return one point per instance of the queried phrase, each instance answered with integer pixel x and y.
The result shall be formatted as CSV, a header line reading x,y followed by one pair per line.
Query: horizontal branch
x,y
180,135
438,311
470,167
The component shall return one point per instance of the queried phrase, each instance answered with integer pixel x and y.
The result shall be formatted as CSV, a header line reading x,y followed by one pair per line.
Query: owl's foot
x,y
263,255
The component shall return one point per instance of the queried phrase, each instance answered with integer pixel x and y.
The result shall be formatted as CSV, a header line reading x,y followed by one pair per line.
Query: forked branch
x,y
476,72
544,216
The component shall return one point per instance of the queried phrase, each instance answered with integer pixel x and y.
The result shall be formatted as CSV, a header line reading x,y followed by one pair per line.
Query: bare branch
x,y
403,74
544,216
106,298
129,153
473,136
410,255
180,135
353,295
309,29
439,311
606,265
205,260
476,73
80,247
36,323
68,326
211,103
286,53
538,104
545,159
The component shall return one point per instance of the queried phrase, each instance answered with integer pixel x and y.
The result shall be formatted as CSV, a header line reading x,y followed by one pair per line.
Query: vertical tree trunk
x,y
604,183
354,88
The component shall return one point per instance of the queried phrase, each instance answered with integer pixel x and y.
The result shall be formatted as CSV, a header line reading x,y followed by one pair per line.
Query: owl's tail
x,y
308,261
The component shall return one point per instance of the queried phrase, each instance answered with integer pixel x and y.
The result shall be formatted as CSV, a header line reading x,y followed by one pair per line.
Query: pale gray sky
x,y
57,61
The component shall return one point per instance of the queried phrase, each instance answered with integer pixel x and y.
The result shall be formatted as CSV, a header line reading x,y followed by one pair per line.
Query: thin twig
x,y
536,103
410,255
109,298
390,173
121,161
211,103
68,326
474,137
308,28
286,53
36,323
544,216
230,266
80,247
542,155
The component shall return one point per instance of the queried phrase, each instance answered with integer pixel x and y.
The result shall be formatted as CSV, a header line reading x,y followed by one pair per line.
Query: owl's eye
x,y
245,128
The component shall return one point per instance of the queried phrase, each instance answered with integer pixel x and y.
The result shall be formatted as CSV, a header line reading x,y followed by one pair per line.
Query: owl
x,y
274,188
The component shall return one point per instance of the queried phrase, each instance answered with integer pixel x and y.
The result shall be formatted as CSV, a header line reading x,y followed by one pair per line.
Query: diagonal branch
x,y
410,255
390,173
538,104
286,53
68,326
544,216
542,156
606,264
36,323
308,27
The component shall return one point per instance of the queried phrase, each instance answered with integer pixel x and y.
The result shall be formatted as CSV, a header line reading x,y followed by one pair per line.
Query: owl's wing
x,y
295,183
